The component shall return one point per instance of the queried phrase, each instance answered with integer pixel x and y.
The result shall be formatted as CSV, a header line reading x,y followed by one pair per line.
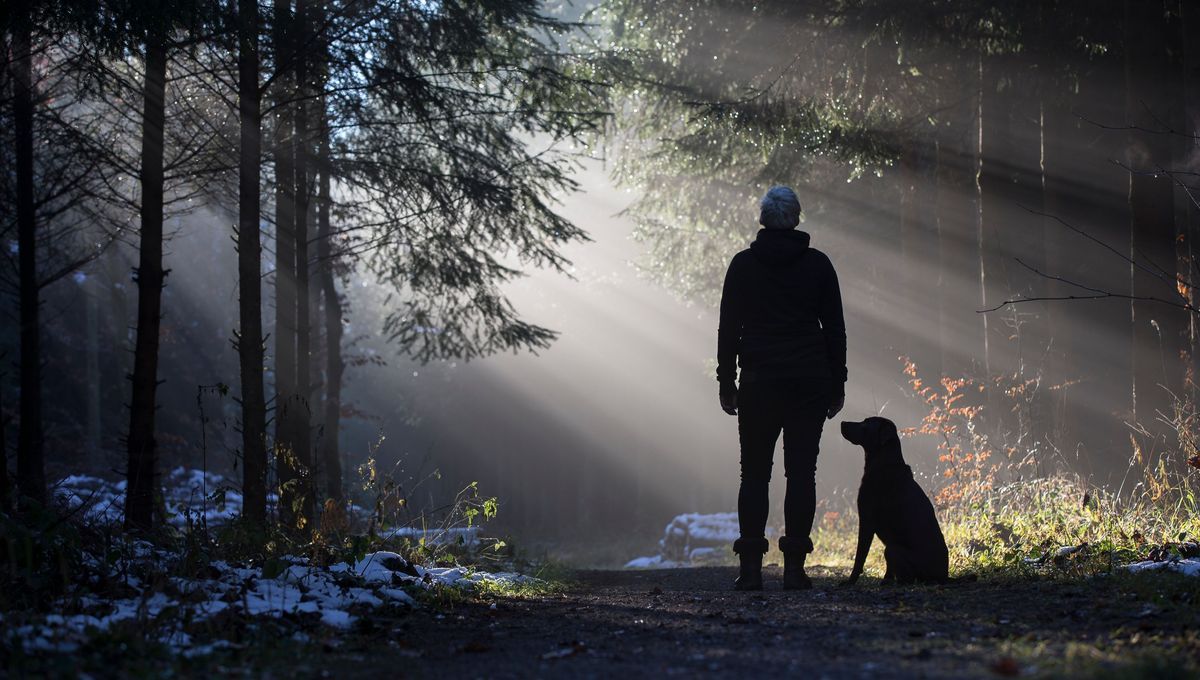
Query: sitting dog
x,y
892,506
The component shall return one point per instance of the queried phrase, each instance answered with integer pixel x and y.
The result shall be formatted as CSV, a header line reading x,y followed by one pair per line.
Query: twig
x,y
1135,128
1096,294
1172,174
1160,274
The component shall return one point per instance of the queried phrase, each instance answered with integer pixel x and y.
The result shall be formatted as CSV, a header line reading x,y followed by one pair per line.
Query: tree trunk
x,y
910,255
1158,330
285,274
985,301
993,138
150,276
332,308
1010,183
1063,192
920,252
1190,20
302,444
4,481
958,276
944,265
31,464
93,424
1177,118
249,247
1104,395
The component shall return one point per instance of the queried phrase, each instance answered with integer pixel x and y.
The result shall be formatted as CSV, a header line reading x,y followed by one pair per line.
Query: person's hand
x,y
729,403
835,406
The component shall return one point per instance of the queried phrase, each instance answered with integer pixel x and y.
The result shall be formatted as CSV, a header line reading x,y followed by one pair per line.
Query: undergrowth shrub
x,y
1006,505
39,551
56,552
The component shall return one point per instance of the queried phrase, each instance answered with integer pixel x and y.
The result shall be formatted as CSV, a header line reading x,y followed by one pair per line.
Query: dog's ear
x,y
888,436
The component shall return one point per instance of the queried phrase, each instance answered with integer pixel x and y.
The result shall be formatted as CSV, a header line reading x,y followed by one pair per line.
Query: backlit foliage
x,y
708,114
1006,503
964,451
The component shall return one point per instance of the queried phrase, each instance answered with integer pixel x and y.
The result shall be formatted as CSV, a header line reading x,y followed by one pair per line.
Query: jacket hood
x,y
779,246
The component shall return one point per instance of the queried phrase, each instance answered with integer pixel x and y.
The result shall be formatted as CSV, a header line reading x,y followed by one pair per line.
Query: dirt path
x,y
688,622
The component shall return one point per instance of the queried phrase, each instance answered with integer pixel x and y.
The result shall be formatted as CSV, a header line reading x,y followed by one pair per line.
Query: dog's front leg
x,y
866,534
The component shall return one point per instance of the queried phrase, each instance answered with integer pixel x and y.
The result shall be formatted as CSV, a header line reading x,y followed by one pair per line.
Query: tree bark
x,y
150,277
303,412
1177,118
93,424
1010,183
944,256
249,247
982,270
1190,19
285,272
993,135
4,480
958,276
1063,191
31,464
921,253
1104,395
332,308
1158,330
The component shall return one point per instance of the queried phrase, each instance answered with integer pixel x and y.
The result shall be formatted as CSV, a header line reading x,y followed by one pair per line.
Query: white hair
x,y
780,209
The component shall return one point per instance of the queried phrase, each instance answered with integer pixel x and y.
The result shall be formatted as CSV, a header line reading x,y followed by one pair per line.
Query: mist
x,y
996,216
458,337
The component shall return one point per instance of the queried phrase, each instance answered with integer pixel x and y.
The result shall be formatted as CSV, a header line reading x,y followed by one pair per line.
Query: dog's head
x,y
877,436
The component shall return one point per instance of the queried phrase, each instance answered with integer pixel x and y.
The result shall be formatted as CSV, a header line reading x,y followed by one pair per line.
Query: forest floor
x,y
688,622
1055,596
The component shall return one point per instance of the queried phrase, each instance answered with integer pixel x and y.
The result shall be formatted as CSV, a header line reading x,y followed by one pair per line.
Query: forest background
x,y
344,194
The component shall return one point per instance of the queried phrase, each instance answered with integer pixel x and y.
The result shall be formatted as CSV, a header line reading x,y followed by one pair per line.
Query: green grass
x,y
1116,663
1128,655
1021,527
1018,529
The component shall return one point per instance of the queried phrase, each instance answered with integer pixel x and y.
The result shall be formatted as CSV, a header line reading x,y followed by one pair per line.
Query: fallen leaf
x,y
476,647
1006,666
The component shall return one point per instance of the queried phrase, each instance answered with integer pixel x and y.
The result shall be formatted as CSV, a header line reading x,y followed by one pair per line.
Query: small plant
x,y
999,518
954,419
39,554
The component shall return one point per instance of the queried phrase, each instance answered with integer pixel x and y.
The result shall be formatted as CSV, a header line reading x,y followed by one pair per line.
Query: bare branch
x,y
1155,271
1094,294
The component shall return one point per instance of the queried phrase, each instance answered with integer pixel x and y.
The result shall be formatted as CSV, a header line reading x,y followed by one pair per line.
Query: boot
x,y
795,551
750,554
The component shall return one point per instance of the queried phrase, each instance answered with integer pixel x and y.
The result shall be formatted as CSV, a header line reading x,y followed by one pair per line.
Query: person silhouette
x,y
781,323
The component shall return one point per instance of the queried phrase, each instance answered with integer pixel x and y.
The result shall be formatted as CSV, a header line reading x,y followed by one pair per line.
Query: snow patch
x,y
209,499
334,595
653,562
330,595
1188,566
337,619
466,536
693,538
189,495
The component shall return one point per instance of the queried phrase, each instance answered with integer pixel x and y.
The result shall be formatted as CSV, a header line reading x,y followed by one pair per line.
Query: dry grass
x,y
996,523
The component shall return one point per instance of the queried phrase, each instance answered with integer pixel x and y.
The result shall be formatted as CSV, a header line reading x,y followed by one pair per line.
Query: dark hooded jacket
x,y
781,314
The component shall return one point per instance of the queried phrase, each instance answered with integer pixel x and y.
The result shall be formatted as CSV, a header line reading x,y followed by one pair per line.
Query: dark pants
x,y
799,411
